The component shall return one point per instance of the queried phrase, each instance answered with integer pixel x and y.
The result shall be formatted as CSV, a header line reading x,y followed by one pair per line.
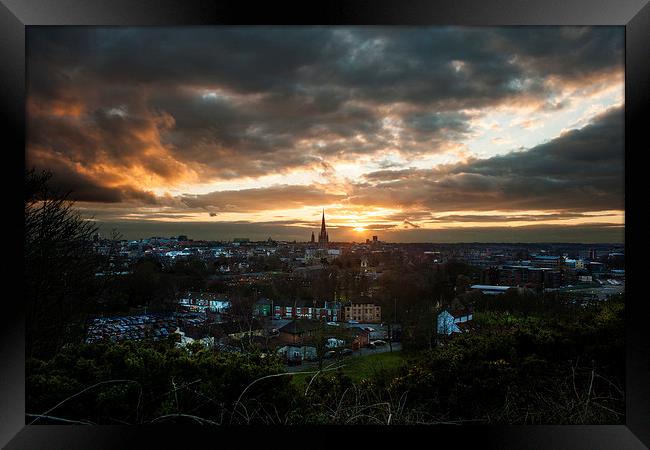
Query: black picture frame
x,y
634,15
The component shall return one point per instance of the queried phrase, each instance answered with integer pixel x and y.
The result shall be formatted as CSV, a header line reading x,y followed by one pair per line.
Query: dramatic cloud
x,y
384,126
276,197
581,170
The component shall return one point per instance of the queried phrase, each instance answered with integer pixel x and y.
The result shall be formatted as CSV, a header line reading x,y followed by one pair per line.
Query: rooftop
x,y
489,287
299,326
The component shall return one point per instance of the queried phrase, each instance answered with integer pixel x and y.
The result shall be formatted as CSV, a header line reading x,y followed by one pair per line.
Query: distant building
x,y
293,352
547,261
488,289
520,275
296,331
263,307
333,253
490,276
331,312
620,273
449,322
202,301
595,267
323,237
364,262
362,312
360,337
574,263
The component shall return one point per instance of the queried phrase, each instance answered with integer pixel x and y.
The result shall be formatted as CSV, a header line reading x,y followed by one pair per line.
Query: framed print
x,y
356,220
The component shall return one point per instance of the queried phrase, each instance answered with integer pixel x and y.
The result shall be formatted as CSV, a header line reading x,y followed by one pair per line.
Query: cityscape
x,y
325,225
353,298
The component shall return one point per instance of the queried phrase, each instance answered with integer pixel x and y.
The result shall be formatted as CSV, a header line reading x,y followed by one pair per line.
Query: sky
x,y
413,134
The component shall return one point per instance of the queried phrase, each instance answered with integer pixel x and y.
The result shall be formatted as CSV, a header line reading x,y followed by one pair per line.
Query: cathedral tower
x,y
323,238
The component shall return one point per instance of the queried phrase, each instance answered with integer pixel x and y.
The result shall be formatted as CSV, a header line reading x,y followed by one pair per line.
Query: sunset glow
x,y
405,133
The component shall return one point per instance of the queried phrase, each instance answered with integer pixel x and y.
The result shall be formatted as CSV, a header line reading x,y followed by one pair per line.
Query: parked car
x,y
353,321
372,345
379,343
329,354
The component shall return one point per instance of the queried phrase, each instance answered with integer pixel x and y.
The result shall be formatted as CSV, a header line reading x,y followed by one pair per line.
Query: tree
x,y
59,266
463,283
320,338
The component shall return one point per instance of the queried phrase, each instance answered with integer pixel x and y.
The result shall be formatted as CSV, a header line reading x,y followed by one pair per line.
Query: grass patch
x,y
359,367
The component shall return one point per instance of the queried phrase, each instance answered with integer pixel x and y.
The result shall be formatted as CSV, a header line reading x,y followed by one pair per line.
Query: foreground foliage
x,y
514,369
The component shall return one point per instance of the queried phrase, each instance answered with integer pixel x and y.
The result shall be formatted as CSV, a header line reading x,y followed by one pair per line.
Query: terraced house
x,y
362,312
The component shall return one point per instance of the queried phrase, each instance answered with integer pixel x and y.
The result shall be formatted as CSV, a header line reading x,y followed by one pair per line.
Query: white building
x,y
447,322
489,289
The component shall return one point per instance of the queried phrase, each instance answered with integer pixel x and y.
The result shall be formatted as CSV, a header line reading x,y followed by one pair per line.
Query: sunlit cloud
x,y
391,129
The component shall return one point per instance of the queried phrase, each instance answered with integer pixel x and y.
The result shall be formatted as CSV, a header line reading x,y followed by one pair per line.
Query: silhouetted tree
x,y
59,266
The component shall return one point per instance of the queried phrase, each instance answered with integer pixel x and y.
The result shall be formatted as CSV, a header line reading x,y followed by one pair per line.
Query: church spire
x,y
323,238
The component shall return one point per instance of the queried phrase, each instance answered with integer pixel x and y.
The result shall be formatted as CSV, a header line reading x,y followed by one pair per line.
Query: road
x,y
306,365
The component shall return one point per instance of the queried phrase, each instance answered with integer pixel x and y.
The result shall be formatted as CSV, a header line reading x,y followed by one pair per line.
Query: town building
x,y
297,331
360,338
523,275
547,261
203,301
490,289
299,353
362,312
323,237
451,321
262,307
330,313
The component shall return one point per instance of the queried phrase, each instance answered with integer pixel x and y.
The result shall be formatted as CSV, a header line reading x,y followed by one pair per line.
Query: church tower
x,y
323,238
312,237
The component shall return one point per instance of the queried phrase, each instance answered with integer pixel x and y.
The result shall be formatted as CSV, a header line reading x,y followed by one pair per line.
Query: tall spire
x,y
323,238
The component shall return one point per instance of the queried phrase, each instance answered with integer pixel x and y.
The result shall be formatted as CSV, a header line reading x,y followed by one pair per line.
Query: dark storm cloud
x,y
274,197
246,101
581,170
584,50
395,60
